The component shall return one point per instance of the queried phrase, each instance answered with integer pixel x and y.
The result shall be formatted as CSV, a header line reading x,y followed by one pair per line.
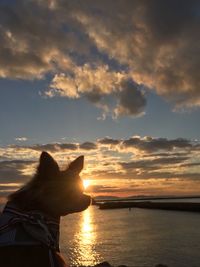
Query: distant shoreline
x,y
127,199
175,206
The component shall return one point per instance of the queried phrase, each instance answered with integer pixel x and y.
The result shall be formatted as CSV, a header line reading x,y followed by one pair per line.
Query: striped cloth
x,y
28,228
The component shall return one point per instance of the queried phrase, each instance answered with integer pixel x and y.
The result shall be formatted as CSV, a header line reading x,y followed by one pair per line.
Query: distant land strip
x,y
176,206
127,199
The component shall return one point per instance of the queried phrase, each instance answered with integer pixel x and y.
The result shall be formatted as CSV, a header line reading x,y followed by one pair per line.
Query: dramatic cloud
x,y
93,82
88,146
15,171
108,141
137,158
131,99
13,174
158,40
154,164
97,84
150,145
54,147
95,48
137,165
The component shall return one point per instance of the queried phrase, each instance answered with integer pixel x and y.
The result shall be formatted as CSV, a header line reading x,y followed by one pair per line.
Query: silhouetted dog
x,y
29,224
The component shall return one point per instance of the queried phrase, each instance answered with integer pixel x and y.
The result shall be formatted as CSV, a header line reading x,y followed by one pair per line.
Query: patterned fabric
x,y
30,228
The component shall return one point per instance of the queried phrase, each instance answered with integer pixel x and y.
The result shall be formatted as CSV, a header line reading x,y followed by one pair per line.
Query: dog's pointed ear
x,y
47,165
77,165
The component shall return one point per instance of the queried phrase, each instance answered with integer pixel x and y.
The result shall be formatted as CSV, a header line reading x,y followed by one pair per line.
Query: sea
x,y
136,237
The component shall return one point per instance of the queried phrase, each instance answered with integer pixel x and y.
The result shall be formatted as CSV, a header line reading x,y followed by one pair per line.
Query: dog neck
x,y
41,228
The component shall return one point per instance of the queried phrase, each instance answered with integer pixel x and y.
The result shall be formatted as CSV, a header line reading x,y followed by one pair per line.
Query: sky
x,y
114,80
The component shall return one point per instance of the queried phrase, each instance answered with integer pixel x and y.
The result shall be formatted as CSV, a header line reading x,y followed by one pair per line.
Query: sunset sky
x,y
115,80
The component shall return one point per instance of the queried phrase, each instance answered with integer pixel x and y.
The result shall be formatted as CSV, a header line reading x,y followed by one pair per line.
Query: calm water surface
x,y
137,238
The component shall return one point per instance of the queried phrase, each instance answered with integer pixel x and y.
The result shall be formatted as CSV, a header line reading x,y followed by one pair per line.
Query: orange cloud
x,y
137,165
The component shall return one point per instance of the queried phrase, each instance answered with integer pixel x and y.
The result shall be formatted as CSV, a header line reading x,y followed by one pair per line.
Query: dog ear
x,y
77,165
47,165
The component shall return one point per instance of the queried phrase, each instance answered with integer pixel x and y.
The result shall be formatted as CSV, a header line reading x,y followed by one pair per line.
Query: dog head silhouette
x,y
53,191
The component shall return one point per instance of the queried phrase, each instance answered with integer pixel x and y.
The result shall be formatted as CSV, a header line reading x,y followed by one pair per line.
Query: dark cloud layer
x,y
139,161
88,146
54,147
12,171
131,99
108,141
158,40
149,144
154,164
153,43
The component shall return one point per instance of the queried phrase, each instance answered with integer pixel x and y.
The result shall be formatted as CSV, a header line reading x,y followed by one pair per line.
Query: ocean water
x,y
137,238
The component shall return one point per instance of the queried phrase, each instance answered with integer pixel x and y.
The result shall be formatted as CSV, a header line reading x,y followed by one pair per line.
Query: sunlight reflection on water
x,y
138,237
86,239
82,248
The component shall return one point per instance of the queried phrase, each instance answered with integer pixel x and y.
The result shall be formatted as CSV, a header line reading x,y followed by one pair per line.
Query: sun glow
x,y
86,184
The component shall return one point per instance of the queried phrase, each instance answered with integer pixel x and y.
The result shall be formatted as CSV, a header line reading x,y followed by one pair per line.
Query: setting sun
x,y
86,184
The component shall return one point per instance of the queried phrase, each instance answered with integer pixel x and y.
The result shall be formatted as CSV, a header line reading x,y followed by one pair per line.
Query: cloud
x,y
191,164
14,171
99,84
88,146
34,45
131,100
54,147
94,48
154,164
150,145
59,147
147,163
87,80
101,189
108,141
158,40
21,139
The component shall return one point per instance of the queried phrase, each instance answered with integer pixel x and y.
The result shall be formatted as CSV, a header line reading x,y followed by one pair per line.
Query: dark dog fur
x,y
52,192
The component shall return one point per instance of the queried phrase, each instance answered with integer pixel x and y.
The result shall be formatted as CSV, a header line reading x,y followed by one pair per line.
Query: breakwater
x,y
177,206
